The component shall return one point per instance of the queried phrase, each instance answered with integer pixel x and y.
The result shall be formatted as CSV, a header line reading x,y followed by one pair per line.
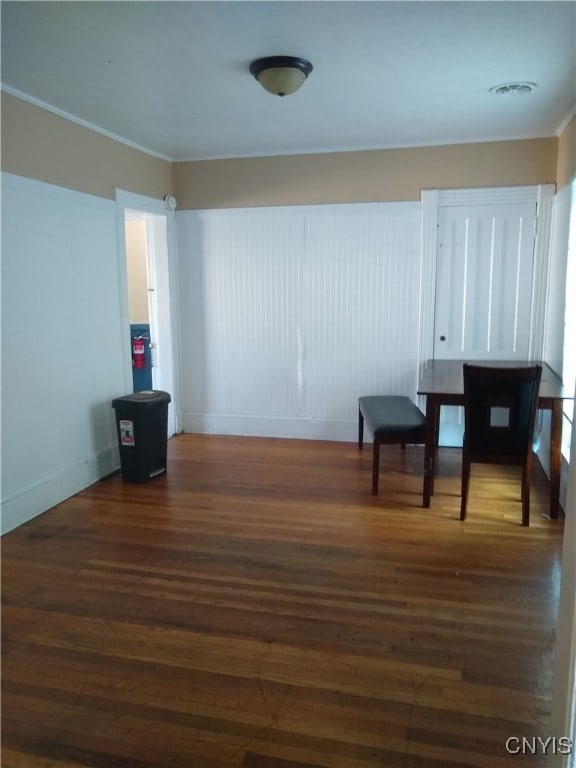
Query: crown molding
x,y
84,123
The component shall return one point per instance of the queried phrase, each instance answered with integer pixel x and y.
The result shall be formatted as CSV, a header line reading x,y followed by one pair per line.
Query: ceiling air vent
x,y
514,89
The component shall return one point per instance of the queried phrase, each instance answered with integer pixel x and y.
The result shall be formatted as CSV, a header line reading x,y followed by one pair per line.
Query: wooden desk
x,y
443,384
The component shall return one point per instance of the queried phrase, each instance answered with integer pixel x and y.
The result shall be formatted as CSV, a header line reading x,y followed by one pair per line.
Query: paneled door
x,y
484,288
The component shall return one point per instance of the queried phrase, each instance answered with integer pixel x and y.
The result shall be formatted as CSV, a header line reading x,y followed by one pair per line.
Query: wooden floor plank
x,y
257,607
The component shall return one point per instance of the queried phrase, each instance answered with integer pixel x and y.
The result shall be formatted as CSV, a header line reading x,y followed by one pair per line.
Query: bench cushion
x,y
388,416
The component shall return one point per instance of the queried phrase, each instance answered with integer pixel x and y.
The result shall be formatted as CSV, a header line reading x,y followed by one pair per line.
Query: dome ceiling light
x,y
513,89
281,75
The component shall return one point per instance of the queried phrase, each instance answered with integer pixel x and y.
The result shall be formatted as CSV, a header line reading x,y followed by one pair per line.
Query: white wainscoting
x,y
288,315
61,345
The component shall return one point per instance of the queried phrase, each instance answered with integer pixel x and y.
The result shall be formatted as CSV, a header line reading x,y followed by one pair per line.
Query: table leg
x,y
555,457
432,411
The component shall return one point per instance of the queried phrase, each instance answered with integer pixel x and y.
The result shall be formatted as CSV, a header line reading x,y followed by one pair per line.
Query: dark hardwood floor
x,y
257,607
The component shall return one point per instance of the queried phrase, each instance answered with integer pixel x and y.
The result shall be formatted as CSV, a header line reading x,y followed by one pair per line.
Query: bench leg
x,y
360,430
375,467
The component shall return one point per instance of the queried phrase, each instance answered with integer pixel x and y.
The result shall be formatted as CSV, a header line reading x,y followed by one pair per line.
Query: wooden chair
x,y
499,417
392,420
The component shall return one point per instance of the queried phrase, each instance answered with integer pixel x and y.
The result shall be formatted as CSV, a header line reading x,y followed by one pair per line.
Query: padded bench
x,y
392,420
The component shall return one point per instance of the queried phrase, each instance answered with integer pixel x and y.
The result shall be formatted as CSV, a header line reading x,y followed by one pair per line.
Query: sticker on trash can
x,y
126,432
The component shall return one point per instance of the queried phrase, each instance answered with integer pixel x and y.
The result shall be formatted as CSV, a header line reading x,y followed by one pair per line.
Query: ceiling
x,y
172,77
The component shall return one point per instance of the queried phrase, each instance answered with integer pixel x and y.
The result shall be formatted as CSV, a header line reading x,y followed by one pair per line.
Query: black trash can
x,y
142,424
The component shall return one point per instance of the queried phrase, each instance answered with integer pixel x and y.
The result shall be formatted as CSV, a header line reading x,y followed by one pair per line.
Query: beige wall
x,y
371,176
40,145
137,267
566,170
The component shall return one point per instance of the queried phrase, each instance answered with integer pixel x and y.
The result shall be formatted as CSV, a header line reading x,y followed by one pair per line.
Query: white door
x,y
484,285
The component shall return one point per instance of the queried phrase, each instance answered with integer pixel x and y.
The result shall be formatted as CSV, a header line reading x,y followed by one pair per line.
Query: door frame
x,y
432,199
155,207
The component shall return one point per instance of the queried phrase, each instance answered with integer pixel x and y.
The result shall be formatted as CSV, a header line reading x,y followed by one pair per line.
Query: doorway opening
x,y
140,302
145,230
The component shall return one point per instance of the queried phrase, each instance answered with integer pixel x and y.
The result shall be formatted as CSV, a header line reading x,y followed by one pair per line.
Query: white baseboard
x,y
259,426
28,503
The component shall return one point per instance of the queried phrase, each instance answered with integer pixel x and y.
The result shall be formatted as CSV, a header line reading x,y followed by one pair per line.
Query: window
x,y
569,357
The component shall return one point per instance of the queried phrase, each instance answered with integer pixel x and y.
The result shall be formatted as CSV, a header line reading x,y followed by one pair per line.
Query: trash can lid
x,y
144,398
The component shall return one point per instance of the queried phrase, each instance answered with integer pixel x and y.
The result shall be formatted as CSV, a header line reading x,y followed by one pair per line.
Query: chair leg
x,y
375,467
360,430
465,486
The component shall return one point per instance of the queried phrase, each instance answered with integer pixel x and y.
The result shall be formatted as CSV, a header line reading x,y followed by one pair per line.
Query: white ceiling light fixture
x,y
521,88
281,75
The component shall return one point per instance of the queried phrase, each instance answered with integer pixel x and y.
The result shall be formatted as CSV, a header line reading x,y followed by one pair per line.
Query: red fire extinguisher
x,y
138,353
